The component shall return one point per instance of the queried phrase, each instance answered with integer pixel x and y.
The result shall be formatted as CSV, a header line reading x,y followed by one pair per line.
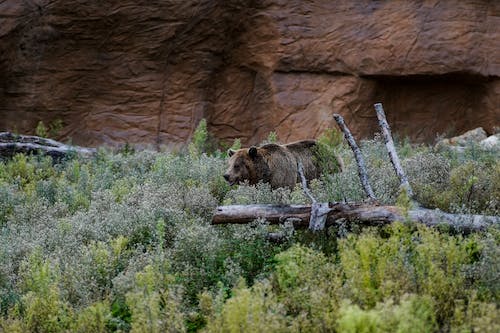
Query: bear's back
x,y
282,165
305,152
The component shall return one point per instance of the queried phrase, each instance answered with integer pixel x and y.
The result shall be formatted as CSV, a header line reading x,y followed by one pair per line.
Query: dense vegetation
x,y
123,242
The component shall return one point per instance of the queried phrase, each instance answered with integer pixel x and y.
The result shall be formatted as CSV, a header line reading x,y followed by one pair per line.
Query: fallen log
x,y
11,144
362,213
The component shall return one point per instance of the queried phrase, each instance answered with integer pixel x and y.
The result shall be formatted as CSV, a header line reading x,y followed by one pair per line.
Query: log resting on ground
x,y
364,214
11,144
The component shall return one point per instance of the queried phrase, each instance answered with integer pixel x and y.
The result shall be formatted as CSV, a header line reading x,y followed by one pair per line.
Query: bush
x,y
153,302
256,310
399,279
84,246
328,146
412,314
94,318
42,308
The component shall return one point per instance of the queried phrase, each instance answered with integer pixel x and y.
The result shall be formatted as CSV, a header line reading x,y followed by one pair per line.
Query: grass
x,y
123,242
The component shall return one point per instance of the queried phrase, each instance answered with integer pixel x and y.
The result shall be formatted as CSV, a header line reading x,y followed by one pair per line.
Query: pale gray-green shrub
x,y
100,223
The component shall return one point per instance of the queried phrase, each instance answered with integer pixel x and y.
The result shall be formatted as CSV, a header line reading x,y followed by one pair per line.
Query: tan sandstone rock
x,y
146,72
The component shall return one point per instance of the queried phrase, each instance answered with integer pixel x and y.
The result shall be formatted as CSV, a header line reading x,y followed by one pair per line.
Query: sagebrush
x,y
123,242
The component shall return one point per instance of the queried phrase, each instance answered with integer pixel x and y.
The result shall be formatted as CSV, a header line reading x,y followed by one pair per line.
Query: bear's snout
x,y
228,179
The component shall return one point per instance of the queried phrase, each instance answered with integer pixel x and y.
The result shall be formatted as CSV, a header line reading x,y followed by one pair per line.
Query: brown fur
x,y
272,163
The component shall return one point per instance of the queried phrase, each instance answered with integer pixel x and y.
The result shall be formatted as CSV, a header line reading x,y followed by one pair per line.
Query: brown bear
x,y
274,164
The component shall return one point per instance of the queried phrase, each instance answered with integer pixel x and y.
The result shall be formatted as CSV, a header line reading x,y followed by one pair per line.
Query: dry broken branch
x,y
303,180
317,217
11,144
363,175
389,144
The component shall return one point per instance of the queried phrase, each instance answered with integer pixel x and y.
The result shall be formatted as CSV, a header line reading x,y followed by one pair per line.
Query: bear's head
x,y
246,165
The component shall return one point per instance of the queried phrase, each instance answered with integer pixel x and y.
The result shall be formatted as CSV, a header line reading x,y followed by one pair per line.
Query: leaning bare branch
x,y
11,144
319,211
300,170
393,155
363,175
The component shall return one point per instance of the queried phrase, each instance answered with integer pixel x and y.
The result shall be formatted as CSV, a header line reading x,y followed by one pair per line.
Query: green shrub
x,y
153,302
41,130
84,242
94,318
473,315
272,137
473,187
52,131
328,146
402,279
412,314
422,261
307,284
202,141
250,310
203,256
42,308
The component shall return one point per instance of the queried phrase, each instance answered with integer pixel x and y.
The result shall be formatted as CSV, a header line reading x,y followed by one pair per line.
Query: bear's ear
x,y
252,151
230,152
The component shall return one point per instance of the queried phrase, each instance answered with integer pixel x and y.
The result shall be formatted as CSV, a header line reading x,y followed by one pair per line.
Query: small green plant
x,y
41,130
272,137
55,128
404,201
199,140
236,144
43,308
226,148
473,315
127,149
51,131
414,314
250,310
153,303
94,318
329,144
202,141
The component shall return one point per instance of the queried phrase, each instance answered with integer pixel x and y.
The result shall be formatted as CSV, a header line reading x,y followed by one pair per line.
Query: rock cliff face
x,y
147,71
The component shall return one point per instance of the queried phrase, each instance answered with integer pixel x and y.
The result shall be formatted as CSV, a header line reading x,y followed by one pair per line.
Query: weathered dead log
x,y
363,175
362,213
11,144
274,214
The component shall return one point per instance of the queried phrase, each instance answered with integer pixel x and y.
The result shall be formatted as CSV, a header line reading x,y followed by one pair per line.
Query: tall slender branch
x,y
300,170
393,155
320,210
363,175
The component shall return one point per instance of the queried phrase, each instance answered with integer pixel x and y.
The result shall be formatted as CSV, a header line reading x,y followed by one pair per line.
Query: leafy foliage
x,y
51,131
329,145
122,242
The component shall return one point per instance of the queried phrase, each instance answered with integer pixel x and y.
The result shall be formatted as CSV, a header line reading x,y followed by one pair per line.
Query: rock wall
x,y
145,72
